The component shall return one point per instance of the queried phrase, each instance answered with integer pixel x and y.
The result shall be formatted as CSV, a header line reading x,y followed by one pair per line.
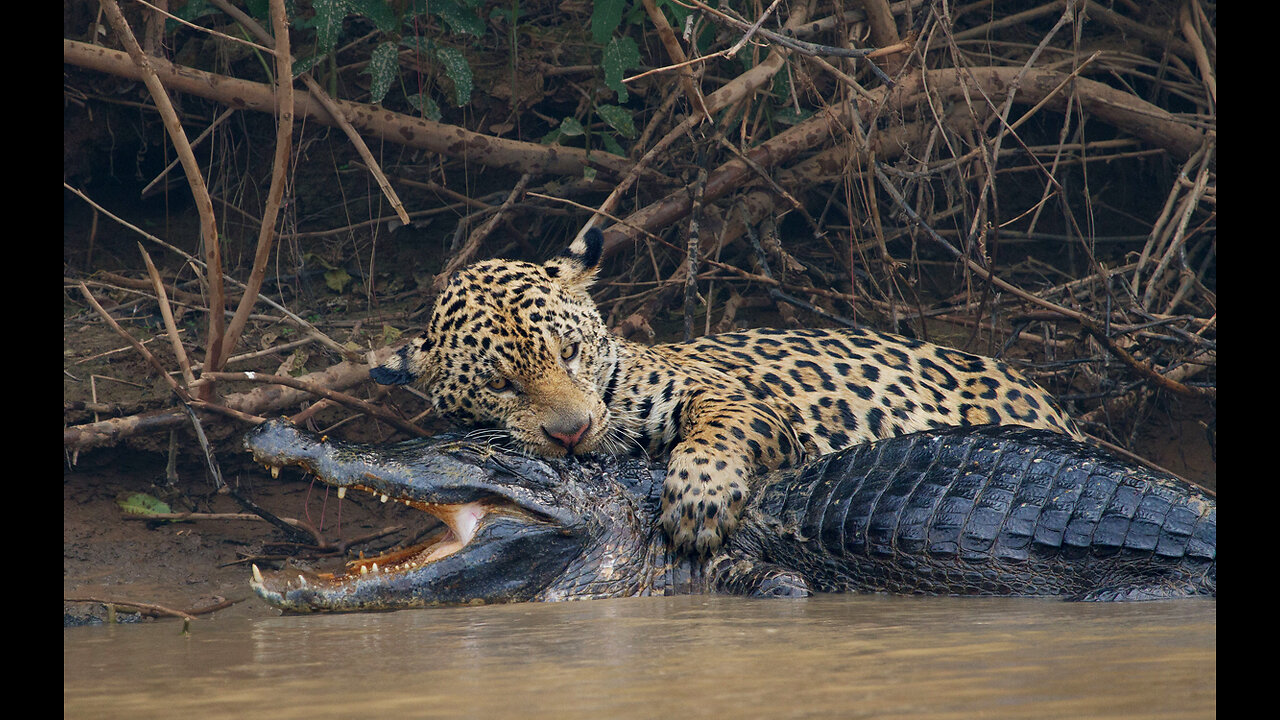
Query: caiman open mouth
x,y
503,533
460,524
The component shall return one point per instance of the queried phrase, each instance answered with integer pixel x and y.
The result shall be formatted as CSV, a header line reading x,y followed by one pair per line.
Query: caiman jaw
x,y
461,522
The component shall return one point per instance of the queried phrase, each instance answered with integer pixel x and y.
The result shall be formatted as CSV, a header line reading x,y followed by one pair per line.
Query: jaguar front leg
x,y
725,442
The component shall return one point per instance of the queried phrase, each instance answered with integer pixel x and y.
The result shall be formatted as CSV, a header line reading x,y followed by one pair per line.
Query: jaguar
x,y
522,347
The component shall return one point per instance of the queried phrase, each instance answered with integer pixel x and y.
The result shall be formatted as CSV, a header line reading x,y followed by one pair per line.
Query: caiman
x,y
992,511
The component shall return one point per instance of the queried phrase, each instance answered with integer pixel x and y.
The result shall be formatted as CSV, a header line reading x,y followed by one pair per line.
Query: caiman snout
x,y
568,434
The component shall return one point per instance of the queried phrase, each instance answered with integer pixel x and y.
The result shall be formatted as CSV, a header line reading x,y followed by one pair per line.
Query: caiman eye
x,y
569,352
499,384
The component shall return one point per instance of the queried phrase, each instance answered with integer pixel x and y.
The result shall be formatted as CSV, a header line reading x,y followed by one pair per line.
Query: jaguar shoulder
x,y
521,346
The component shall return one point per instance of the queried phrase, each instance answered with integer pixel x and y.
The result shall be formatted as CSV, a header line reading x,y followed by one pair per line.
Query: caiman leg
x,y
733,575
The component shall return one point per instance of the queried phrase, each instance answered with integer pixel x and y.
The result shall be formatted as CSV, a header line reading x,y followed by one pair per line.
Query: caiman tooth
x,y
375,567
384,498
364,569
342,492
302,581
257,574
275,471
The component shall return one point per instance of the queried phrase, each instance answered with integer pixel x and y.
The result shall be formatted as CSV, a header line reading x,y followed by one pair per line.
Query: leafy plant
x,y
398,23
620,54
143,504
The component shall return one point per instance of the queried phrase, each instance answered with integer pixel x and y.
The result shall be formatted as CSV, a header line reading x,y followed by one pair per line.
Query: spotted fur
x,y
522,347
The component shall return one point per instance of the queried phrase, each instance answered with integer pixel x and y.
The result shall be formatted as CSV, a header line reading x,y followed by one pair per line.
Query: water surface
x,y
714,657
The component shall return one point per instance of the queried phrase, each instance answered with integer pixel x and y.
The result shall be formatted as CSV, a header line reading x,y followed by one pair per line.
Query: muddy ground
x,y
110,555
188,566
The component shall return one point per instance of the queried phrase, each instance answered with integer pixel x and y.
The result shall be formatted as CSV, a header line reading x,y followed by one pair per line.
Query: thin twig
x,y
195,178
317,92
275,195
691,253
465,253
339,397
222,117
1085,321
801,46
730,93
166,313
289,315
746,37
676,53
295,530
142,350
149,608
214,33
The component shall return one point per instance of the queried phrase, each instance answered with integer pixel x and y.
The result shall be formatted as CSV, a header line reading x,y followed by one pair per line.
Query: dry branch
x,y
258,402
341,398
1126,112
144,66
279,168
691,91
450,140
730,93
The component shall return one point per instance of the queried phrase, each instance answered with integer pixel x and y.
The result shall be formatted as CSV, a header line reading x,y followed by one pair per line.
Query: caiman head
x,y
519,528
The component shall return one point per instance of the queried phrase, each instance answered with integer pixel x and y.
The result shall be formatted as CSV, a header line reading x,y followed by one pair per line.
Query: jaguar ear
x,y
406,366
577,265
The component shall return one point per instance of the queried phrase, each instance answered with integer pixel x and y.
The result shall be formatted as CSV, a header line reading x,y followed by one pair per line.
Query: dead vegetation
x,y
1024,179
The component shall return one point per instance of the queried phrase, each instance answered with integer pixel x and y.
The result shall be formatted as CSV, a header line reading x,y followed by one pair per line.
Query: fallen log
x,y
487,150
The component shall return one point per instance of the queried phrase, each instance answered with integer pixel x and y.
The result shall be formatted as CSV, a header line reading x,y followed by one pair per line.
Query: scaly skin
x,y
992,511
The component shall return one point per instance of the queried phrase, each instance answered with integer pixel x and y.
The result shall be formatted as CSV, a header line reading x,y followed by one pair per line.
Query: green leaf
x,y
422,45
195,9
677,11
336,279
612,146
619,56
456,67
425,105
260,9
571,127
460,18
143,504
384,66
606,15
378,11
789,116
303,65
328,20
619,119
190,12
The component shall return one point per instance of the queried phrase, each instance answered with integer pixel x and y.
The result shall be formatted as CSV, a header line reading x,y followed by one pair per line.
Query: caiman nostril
x,y
570,438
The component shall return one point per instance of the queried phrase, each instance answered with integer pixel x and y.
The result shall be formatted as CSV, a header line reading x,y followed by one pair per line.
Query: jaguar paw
x,y
699,517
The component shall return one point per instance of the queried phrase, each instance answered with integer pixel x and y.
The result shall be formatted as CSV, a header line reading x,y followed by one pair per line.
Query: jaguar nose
x,y
568,435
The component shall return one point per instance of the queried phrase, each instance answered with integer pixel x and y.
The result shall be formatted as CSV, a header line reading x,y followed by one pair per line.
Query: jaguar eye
x,y
499,384
569,352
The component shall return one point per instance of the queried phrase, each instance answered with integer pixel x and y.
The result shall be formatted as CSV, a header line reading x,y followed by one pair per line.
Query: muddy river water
x,y
713,657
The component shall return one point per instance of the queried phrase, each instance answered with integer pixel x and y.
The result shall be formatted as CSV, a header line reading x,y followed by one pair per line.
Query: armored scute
x,y
993,511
